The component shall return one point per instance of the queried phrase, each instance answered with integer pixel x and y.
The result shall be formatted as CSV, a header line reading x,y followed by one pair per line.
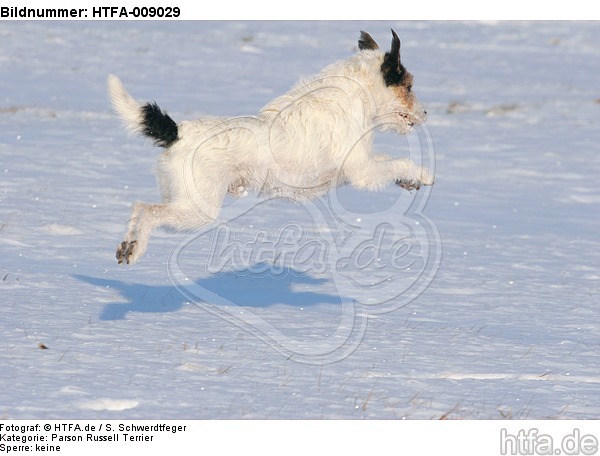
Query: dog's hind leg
x,y
144,218
125,248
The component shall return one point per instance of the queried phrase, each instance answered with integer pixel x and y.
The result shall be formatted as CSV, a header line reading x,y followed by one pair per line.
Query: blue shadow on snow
x,y
294,289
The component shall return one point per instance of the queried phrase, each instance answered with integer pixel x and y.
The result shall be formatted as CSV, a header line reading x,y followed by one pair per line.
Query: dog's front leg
x,y
414,177
377,172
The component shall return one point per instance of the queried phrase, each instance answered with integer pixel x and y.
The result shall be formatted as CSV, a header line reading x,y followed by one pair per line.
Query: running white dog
x,y
317,136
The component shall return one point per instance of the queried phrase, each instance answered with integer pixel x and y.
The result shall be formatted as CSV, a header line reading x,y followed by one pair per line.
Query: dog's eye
x,y
409,88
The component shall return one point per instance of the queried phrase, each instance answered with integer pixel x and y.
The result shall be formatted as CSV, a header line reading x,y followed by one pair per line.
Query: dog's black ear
x,y
392,70
366,42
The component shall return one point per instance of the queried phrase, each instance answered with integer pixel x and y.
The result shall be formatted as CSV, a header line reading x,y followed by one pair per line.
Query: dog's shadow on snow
x,y
294,289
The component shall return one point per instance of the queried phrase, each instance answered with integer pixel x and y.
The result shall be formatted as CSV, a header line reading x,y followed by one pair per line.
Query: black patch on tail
x,y
159,126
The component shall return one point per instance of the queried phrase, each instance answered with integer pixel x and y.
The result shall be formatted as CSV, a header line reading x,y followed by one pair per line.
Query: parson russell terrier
x,y
300,145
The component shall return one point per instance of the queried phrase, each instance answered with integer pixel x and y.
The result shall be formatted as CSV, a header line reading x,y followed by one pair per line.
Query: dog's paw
x,y
125,251
238,188
416,180
408,184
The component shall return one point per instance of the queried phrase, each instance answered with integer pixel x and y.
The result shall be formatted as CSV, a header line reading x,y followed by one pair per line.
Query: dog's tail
x,y
146,119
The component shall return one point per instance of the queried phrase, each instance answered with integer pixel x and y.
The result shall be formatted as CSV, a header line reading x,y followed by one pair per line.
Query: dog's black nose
x,y
424,112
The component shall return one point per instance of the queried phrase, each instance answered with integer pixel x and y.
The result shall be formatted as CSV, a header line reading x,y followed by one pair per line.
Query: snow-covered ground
x,y
492,312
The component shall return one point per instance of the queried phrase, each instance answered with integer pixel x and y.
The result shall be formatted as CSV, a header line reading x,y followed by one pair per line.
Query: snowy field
x,y
491,312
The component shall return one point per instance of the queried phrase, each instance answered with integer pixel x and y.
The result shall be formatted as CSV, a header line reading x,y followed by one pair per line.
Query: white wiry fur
x,y
300,145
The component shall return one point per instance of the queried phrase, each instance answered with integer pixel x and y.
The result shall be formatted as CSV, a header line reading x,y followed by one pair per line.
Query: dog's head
x,y
402,111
